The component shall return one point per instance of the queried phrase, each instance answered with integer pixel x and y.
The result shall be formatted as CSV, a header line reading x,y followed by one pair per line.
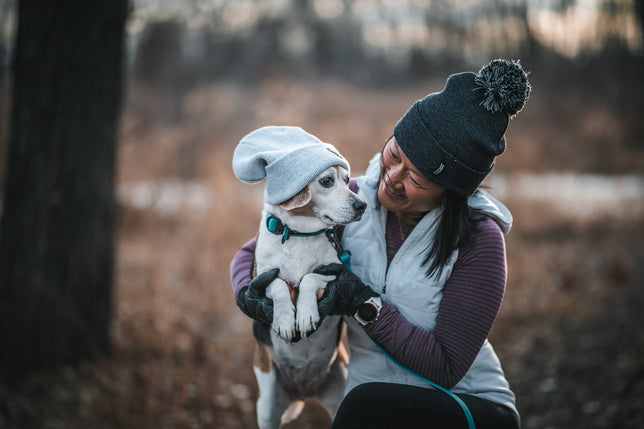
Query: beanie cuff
x,y
431,159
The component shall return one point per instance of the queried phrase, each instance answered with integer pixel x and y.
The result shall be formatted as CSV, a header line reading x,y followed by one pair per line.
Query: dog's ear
x,y
300,200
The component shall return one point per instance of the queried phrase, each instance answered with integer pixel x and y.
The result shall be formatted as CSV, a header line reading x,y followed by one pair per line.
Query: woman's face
x,y
403,189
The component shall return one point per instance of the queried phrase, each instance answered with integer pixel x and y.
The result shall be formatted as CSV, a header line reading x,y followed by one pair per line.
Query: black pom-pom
x,y
505,85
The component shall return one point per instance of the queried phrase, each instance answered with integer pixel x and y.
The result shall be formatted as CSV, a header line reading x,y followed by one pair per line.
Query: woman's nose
x,y
395,175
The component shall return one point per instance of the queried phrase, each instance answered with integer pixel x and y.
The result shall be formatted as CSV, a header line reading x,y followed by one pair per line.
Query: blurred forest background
x,y
200,74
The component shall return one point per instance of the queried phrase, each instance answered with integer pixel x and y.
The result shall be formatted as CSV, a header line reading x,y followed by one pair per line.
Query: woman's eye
x,y
326,182
416,184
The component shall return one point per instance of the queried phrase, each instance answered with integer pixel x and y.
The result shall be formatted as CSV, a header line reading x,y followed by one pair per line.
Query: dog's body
x,y
288,372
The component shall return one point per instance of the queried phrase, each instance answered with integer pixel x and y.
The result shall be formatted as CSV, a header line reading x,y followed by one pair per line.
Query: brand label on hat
x,y
439,169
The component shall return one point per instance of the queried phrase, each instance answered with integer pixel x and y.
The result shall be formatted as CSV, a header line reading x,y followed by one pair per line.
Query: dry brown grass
x,y
182,350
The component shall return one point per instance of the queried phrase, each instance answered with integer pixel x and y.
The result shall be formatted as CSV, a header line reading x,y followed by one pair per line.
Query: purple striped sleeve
x,y
471,301
241,267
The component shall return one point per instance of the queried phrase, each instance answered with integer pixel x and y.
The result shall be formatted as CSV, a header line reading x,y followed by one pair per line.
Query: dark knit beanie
x,y
453,136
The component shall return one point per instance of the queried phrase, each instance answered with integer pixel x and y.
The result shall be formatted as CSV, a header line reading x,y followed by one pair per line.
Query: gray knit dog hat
x,y
288,157
452,137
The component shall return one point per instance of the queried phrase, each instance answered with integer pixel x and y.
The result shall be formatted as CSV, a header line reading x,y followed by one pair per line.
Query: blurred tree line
x,y
582,55
364,41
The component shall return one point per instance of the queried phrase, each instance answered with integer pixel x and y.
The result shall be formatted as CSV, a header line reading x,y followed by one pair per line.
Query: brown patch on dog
x,y
306,210
263,359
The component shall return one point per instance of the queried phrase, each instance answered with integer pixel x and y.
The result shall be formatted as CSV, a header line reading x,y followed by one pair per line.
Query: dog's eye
x,y
327,181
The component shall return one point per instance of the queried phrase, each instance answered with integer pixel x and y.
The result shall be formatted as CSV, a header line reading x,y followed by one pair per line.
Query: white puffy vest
x,y
412,293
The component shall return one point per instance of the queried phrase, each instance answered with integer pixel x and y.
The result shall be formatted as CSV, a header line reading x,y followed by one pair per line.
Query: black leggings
x,y
387,405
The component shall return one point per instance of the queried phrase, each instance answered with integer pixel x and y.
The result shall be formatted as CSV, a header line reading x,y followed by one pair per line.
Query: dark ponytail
x,y
454,228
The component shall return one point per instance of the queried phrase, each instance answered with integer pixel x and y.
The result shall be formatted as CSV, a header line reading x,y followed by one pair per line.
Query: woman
x,y
431,245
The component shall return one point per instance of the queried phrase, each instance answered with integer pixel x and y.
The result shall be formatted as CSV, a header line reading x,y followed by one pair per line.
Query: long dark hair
x,y
455,226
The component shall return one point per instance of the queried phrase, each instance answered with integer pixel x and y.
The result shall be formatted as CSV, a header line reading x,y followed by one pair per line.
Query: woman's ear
x,y
300,200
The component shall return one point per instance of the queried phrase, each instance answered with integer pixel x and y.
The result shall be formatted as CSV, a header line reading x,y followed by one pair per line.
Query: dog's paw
x,y
307,316
284,325
307,319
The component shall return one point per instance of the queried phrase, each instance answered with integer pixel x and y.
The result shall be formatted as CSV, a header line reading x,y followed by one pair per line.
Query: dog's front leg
x,y
307,302
283,309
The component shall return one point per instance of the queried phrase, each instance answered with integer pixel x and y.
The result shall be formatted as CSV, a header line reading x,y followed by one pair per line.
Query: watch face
x,y
367,312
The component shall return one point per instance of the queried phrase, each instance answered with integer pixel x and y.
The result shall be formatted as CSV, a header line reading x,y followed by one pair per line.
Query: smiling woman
x,y
430,245
403,190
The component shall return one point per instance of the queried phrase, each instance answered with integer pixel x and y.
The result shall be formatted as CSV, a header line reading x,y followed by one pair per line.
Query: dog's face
x,y
328,198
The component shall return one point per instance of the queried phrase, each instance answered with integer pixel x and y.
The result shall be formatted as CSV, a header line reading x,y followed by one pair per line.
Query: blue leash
x,y
468,415
459,401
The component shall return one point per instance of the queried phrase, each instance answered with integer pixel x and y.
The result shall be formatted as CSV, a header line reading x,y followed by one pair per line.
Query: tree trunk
x,y
58,225
639,16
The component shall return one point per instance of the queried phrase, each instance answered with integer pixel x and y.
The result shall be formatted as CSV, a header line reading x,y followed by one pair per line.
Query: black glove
x,y
344,294
253,300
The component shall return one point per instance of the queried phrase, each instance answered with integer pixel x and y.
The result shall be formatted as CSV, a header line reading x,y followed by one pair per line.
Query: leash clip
x,y
343,255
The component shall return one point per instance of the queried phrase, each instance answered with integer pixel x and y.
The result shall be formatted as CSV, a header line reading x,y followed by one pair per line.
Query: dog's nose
x,y
359,205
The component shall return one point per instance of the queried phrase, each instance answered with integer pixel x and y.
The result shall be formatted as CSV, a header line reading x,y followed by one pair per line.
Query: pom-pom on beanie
x,y
288,157
452,137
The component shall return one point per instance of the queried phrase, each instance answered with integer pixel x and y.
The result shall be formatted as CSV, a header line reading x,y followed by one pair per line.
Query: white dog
x,y
307,194
288,372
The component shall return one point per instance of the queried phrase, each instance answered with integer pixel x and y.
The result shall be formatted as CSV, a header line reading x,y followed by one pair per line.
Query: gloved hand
x,y
252,299
343,295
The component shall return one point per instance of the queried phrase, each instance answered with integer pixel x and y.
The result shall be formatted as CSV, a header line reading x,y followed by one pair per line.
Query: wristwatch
x,y
368,311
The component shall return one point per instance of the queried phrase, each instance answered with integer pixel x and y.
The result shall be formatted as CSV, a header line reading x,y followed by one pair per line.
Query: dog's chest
x,y
295,257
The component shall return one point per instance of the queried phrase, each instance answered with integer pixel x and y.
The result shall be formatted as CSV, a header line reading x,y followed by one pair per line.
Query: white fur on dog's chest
x,y
295,257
